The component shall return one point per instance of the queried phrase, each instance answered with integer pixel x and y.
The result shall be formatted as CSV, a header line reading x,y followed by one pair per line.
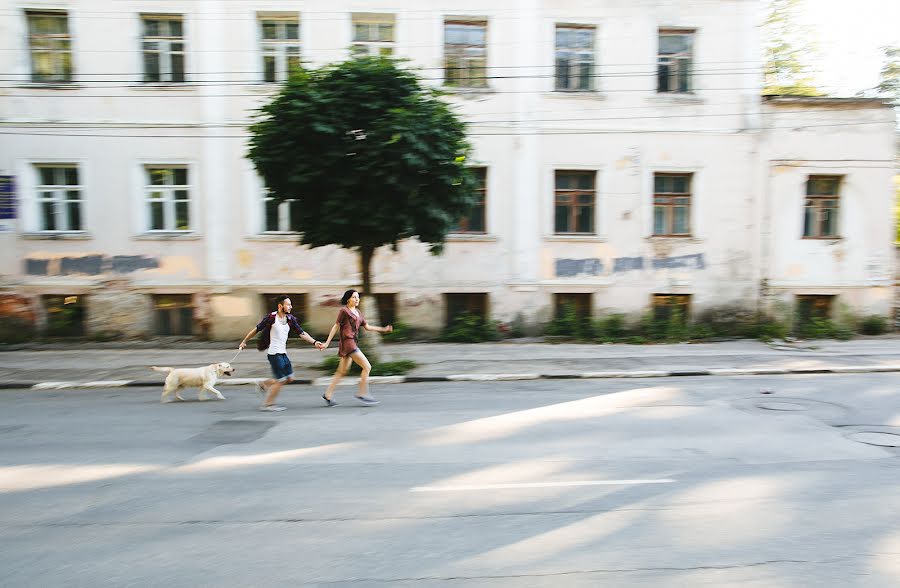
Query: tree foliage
x,y
889,85
788,50
371,155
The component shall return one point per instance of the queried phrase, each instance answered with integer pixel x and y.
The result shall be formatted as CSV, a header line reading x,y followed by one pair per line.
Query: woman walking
x,y
348,322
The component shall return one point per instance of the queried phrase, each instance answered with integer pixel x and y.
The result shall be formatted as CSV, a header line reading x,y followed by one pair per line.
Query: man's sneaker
x,y
367,400
271,408
329,402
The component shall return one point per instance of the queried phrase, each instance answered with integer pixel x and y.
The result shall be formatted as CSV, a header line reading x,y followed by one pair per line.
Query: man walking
x,y
273,332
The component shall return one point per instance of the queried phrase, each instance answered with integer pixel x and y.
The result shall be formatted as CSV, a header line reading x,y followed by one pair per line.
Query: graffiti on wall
x,y
568,268
89,264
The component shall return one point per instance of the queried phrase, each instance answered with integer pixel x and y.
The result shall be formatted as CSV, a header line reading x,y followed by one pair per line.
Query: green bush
x,y
401,332
823,328
873,325
15,330
381,368
470,328
770,329
571,324
611,328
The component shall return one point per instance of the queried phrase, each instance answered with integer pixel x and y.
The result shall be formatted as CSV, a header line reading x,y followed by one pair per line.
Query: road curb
x,y
478,377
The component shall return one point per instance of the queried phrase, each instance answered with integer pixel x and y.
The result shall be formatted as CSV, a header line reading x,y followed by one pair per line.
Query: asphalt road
x,y
654,482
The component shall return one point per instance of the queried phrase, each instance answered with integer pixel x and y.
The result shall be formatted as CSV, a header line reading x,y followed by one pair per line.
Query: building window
x,y
65,315
473,222
473,304
574,58
676,55
51,46
671,205
667,307
373,34
579,303
173,314
163,46
280,45
465,54
574,202
168,198
387,308
281,216
813,306
59,198
820,211
298,304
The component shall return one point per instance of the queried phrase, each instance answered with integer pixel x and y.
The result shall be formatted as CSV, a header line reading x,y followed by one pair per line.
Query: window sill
x,y
576,94
476,237
167,86
575,238
263,87
466,92
674,238
675,98
50,86
168,236
825,239
58,236
275,237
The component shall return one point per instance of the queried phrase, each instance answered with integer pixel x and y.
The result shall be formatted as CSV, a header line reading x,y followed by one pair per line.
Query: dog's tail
x,y
164,370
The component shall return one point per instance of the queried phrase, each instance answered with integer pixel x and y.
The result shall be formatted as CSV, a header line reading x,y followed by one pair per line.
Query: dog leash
x,y
235,355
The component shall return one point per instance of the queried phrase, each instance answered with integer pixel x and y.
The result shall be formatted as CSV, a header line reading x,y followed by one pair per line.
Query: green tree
x,y
889,86
372,155
787,49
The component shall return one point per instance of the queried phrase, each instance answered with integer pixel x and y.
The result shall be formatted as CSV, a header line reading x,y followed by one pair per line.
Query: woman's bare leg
x,y
339,373
361,360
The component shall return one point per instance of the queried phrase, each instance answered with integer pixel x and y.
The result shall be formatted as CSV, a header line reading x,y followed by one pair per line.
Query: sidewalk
x,y
97,365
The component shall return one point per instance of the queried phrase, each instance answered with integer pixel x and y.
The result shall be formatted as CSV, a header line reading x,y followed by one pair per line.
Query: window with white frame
x,y
373,34
574,58
59,197
162,43
280,216
168,198
50,45
465,54
675,60
280,46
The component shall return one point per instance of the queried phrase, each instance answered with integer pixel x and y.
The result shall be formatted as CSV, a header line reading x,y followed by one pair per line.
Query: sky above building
x,y
849,36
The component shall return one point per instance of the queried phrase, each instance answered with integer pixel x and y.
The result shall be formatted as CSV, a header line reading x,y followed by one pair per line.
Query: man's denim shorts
x,y
281,366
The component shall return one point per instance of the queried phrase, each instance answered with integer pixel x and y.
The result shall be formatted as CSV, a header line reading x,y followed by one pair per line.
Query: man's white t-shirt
x,y
278,336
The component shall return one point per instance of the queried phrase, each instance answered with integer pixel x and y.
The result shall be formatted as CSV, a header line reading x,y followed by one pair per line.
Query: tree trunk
x,y
370,304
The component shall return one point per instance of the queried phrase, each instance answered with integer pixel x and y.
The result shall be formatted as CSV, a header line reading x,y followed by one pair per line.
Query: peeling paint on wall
x,y
232,306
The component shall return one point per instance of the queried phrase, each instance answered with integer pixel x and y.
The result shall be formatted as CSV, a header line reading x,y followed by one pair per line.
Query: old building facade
x,y
627,159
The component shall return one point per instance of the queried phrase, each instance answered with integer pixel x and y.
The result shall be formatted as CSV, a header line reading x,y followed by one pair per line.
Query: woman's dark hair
x,y
347,296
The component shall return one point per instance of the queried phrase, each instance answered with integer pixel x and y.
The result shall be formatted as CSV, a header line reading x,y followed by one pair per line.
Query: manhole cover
x,y
781,406
876,438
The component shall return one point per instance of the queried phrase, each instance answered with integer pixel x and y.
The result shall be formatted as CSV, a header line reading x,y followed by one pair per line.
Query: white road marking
x,y
537,485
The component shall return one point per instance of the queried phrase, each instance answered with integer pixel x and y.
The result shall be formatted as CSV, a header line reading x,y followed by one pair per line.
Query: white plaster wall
x,y
522,131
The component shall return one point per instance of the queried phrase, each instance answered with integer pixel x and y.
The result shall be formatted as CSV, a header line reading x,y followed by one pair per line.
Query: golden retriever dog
x,y
202,377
